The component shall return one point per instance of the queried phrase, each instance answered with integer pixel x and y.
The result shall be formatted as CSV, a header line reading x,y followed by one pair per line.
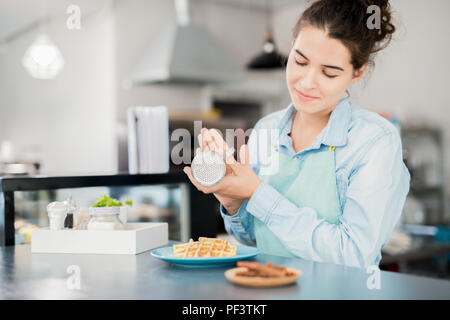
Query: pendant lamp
x,y
269,58
43,60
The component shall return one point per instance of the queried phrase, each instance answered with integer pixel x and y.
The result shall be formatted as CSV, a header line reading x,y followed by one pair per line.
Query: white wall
x,y
70,119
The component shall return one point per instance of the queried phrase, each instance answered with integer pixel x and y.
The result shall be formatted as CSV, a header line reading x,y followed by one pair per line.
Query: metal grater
x,y
209,167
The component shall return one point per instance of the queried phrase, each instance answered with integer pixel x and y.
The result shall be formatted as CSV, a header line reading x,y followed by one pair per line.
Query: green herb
x,y
106,201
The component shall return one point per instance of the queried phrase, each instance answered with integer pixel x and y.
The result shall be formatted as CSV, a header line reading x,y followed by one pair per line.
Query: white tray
x,y
136,238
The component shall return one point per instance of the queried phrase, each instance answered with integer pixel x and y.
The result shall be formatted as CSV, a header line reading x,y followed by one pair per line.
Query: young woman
x,y
340,182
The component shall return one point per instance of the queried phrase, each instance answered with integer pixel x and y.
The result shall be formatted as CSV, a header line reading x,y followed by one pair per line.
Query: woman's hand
x,y
239,182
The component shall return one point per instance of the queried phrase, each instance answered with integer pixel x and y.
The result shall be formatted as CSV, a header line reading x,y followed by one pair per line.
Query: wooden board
x,y
261,281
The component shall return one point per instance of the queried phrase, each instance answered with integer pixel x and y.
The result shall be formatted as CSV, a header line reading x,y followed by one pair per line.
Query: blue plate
x,y
242,253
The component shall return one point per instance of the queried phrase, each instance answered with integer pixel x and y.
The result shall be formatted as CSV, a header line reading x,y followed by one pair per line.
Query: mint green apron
x,y
310,182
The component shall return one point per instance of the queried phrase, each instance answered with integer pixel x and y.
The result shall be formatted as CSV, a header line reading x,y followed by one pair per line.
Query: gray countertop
x,y
24,275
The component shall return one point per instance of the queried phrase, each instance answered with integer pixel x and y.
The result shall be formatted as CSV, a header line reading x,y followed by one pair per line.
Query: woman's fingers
x,y
209,141
244,156
221,145
229,171
202,139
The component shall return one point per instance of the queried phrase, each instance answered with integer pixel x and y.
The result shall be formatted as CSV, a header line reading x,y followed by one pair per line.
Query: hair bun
x,y
387,28
380,3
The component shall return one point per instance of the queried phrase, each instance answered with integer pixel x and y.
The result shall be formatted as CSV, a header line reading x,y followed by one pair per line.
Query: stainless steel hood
x,y
183,52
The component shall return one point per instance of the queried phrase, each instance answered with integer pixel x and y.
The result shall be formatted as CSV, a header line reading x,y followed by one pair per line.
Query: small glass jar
x,y
71,210
57,212
82,218
105,218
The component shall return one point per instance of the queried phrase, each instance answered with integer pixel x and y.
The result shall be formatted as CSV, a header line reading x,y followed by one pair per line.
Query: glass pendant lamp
x,y
269,58
43,60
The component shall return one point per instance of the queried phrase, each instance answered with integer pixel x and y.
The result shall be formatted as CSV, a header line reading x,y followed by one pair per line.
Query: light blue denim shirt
x,y
372,183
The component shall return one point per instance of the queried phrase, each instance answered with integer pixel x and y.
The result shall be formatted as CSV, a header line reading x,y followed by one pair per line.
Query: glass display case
x,y
167,198
160,203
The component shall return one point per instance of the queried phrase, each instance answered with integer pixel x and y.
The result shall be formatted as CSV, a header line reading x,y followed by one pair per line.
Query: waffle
x,y
204,247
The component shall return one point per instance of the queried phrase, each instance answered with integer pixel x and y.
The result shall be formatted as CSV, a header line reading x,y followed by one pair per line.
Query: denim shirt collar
x,y
334,133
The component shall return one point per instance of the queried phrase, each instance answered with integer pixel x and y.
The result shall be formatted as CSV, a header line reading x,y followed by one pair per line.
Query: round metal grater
x,y
209,167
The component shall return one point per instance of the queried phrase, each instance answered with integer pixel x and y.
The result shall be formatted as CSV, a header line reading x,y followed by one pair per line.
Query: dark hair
x,y
346,20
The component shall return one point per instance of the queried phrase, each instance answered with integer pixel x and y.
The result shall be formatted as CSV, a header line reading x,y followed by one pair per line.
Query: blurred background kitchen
x,y
70,70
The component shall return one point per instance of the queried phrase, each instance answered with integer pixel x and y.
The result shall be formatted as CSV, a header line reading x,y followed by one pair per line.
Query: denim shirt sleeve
x,y
240,225
376,192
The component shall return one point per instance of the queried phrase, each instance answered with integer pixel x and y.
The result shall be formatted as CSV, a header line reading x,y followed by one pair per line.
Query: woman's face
x,y
318,71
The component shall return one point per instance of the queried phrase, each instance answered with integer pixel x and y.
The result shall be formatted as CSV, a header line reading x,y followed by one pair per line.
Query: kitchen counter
x,y
24,275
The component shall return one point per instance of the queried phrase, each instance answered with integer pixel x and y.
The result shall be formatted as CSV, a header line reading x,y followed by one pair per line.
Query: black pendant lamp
x,y
270,58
